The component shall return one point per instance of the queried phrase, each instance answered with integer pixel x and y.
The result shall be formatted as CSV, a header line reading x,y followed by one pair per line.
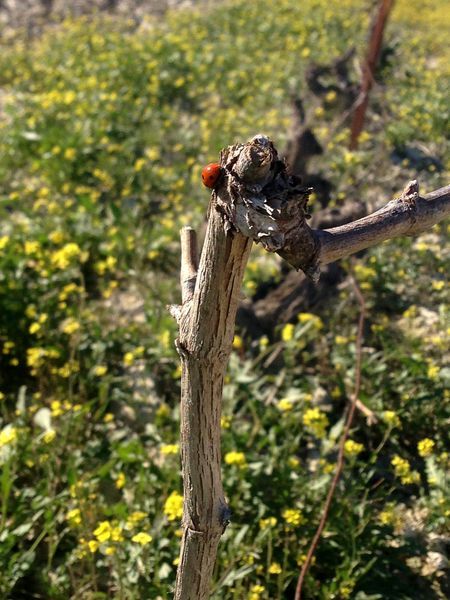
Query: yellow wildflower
x,y
128,359
152,153
433,371
362,272
163,410
66,255
70,153
402,469
267,523
139,164
235,458
274,569
315,421
74,516
93,546
135,518
56,237
353,448
49,436
173,506
285,405
3,241
387,517
225,422
100,370
238,342
287,333
391,418
142,538
425,447
170,449
70,326
116,534
31,247
120,481
55,407
34,328
7,435
103,531
293,516
310,318
410,312
263,343
255,592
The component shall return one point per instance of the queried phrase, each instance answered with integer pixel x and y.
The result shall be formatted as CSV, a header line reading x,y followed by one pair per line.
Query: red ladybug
x,y
211,174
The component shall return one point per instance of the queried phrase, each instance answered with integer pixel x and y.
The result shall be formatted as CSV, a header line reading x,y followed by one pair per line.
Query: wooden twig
x,y
410,214
189,263
368,71
341,451
205,339
204,344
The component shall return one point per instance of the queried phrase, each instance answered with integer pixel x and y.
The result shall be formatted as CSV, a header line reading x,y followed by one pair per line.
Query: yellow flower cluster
x,y
285,405
49,436
235,458
391,418
238,342
167,449
255,592
314,320
425,447
315,421
403,471
67,255
353,448
267,523
8,435
225,422
134,519
287,333
293,516
74,517
120,480
173,506
106,531
142,538
274,569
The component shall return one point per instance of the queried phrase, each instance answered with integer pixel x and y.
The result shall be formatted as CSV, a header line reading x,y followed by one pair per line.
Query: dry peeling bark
x,y
255,200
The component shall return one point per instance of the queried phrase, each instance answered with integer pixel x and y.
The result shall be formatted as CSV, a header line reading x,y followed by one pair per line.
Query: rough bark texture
x,y
410,214
206,323
206,334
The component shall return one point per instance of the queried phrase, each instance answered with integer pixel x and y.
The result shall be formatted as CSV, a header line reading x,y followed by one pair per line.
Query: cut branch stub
x,y
262,201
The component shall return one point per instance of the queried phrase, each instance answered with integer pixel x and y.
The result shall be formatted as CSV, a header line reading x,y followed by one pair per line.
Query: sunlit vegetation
x,y
104,129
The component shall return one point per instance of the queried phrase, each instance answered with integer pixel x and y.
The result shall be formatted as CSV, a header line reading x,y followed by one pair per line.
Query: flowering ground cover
x,y
104,129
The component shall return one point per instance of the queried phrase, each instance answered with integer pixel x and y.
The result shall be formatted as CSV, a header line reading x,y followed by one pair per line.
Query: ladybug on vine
x,y
211,174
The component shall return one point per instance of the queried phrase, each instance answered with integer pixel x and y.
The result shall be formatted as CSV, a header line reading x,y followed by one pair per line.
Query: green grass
x,y
103,133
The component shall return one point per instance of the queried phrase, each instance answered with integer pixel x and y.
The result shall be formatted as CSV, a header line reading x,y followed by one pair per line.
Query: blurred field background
x,y
106,120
